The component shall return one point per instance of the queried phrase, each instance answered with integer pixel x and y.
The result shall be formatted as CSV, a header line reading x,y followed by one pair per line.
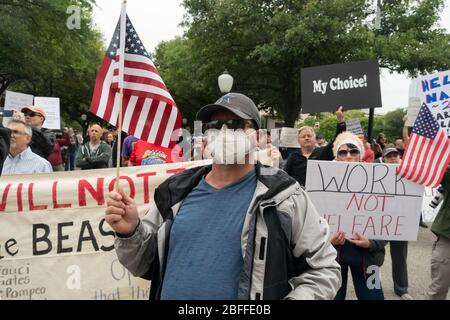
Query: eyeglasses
x,y
344,153
18,133
233,124
32,114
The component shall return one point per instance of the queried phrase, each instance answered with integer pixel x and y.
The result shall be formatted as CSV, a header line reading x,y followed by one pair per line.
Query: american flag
x,y
427,153
149,112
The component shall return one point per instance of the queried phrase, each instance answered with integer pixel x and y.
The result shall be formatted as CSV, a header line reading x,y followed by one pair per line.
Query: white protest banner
x,y
429,213
368,198
289,138
54,242
435,93
52,109
16,101
354,126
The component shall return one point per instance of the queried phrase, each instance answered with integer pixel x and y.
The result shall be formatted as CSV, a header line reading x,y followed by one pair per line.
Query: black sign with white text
x,y
354,85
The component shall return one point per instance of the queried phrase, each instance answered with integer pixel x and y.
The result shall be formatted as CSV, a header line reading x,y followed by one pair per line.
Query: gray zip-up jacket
x,y
285,244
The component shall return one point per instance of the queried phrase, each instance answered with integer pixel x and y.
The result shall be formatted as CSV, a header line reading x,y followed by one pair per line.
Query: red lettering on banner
x,y
370,204
384,200
367,200
146,188
397,225
130,183
30,200
19,197
372,225
385,226
175,171
358,205
355,224
55,200
84,185
5,197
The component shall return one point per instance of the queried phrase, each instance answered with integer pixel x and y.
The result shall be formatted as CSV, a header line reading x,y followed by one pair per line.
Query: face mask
x,y
228,146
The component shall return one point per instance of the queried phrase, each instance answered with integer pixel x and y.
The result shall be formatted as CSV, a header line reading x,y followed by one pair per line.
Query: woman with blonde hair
x,y
356,251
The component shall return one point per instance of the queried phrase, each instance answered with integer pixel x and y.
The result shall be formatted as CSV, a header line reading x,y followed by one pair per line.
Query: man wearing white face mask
x,y
227,231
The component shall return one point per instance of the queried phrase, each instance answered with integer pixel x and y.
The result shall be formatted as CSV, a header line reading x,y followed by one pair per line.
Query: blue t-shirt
x,y
205,257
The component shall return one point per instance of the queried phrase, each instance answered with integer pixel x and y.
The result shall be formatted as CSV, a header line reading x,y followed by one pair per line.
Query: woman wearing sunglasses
x,y
356,251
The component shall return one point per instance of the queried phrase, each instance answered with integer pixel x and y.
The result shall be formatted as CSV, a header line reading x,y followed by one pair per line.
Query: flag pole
x,y
123,18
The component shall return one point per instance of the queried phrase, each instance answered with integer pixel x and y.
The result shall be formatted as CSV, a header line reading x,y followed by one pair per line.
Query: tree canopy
x,y
391,123
41,55
264,44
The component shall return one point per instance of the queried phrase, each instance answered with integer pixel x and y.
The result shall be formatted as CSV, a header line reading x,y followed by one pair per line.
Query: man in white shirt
x,y
21,160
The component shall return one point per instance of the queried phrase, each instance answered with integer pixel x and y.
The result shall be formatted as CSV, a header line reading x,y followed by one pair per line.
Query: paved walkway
x,y
419,253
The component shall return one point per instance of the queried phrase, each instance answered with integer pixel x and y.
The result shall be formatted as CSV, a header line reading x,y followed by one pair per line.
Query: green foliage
x,y
40,55
189,90
391,123
265,44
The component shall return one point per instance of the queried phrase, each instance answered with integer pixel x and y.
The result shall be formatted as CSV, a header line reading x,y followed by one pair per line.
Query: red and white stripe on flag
x,y
425,160
148,110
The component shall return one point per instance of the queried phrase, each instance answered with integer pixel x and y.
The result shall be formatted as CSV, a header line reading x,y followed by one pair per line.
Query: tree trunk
x,y
4,85
291,114
292,100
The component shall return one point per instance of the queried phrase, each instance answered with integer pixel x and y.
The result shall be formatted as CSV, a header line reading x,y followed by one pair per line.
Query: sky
x,y
159,20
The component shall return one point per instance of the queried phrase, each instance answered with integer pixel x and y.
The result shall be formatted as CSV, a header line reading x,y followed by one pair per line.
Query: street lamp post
x,y
225,82
84,118
377,26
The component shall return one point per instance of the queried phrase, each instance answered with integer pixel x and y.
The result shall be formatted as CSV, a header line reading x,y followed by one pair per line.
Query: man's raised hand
x,y
121,213
340,115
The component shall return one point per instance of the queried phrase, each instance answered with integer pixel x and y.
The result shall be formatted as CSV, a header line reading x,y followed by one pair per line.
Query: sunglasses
x,y
233,124
344,153
32,114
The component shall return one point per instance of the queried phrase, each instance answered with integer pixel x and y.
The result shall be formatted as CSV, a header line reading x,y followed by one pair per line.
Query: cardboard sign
x,y
15,101
54,241
353,85
435,93
429,213
368,198
52,110
289,138
354,126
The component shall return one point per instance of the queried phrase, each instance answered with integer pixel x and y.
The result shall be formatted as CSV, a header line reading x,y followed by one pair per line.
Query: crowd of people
x,y
230,230
68,150
283,249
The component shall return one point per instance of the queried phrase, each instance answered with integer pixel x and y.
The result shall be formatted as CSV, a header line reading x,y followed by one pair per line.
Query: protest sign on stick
x,y
354,85
15,101
289,138
51,107
354,126
435,93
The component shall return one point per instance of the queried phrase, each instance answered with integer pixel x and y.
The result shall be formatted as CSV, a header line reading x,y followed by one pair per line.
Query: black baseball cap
x,y
237,103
